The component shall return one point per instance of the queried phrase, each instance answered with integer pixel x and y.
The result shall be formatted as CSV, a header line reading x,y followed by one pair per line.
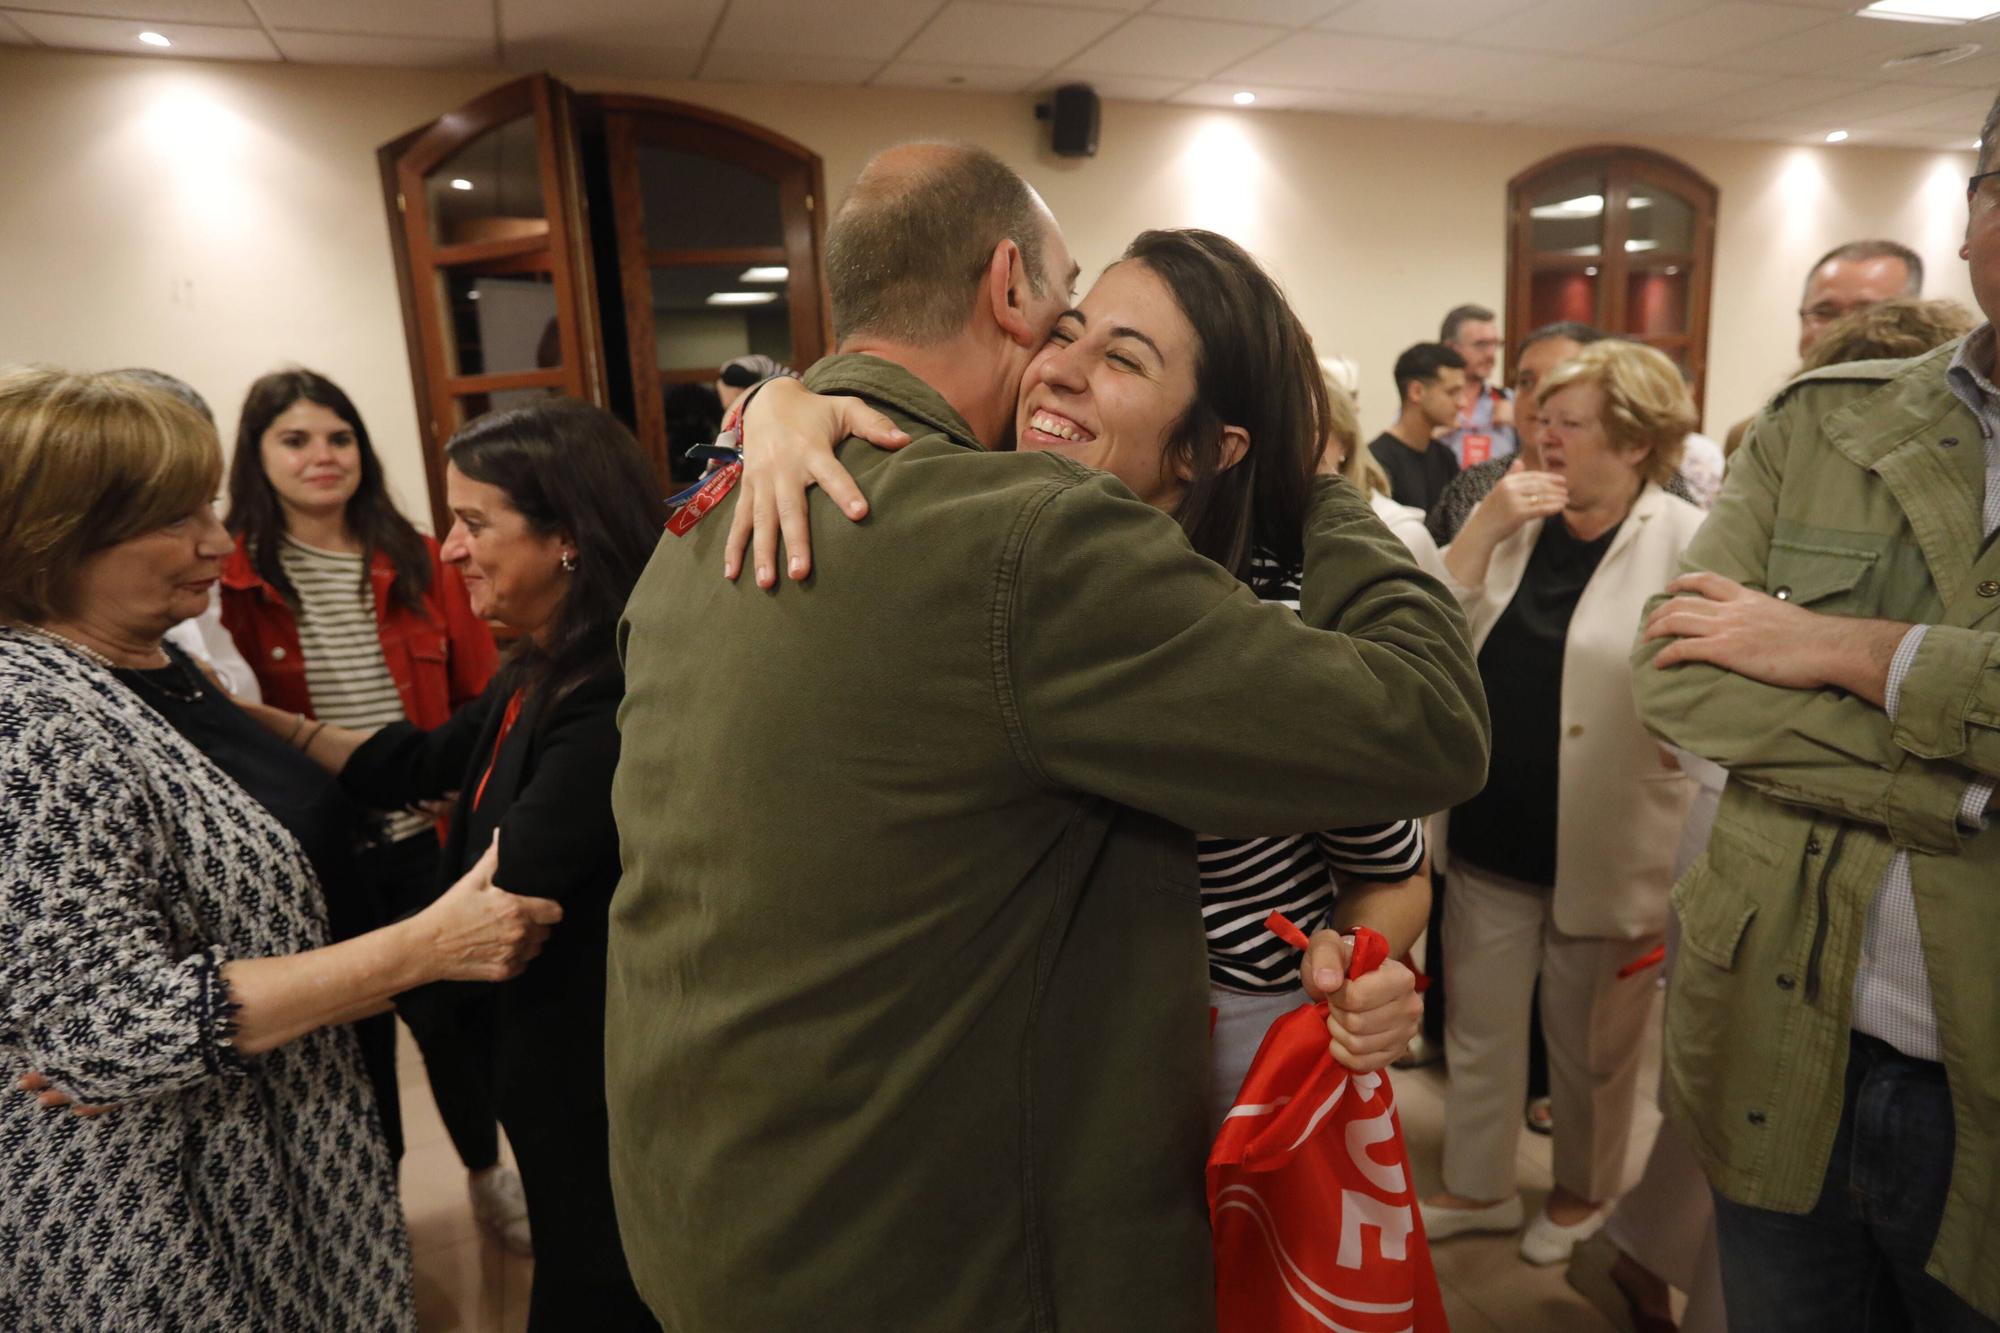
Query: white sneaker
x,y
499,1206
1547,1241
1441,1221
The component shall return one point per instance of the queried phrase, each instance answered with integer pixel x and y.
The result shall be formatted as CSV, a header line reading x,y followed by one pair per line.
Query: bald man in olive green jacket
x,y
907,1024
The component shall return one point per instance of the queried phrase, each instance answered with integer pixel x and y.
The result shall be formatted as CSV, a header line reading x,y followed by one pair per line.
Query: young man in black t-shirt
x,y
1430,378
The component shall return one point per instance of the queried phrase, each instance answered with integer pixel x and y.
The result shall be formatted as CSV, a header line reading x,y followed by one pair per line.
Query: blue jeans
x,y
1856,1261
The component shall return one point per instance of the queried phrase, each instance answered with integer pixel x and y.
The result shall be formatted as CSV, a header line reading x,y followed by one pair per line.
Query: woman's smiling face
x,y
1114,380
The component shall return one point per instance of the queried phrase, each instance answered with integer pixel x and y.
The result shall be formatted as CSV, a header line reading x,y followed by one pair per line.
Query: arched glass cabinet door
x,y
493,257
1620,238
719,224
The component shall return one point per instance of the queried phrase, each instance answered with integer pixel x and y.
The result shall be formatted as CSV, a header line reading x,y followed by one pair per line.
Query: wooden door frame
x,y
1625,165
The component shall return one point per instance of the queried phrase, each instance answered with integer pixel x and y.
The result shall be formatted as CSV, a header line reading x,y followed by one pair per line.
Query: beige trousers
x,y
1498,934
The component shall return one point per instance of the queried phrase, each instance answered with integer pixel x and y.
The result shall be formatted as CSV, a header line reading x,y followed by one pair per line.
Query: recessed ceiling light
x,y
461,183
1838,136
765,273
154,39
741,298
1672,270
1583,206
1931,11
1244,98
1590,273
1636,244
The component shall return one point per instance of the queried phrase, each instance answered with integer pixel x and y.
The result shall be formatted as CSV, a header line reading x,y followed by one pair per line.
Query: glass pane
x,y
702,203
1657,220
693,414
489,190
479,404
501,322
1656,298
1566,212
706,314
1566,293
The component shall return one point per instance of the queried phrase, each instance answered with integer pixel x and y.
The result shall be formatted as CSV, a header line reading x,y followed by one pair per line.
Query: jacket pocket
x,y
1713,917
1820,574
1713,1057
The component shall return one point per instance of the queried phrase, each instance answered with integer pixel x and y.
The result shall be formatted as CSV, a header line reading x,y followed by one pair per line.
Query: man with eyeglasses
x,y
1485,427
1833,1026
1853,277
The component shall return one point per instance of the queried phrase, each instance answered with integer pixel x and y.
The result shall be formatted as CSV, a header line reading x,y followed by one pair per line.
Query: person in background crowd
x,y
738,375
693,415
202,637
989,1040
1430,378
555,513
1541,351
1902,326
1561,864
192,1143
1833,1041
1853,277
1346,458
348,616
1484,426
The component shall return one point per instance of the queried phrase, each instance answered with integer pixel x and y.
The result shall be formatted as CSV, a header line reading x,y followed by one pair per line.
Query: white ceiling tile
x,y
662,39
1436,19
1362,104
1121,87
344,48
1836,46
1334,60
954,78
748,67
382,18
215,13
1284,13
1157,47
839,29
122,37
1698,38
1036,37
1579,25
1627,88
1769,97
12,35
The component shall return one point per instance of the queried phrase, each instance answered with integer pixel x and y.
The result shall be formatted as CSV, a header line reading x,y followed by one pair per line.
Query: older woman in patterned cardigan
x,y
192,1144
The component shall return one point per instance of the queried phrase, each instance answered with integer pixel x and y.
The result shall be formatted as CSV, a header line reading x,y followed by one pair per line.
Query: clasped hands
x,y
1369,1020
1718,621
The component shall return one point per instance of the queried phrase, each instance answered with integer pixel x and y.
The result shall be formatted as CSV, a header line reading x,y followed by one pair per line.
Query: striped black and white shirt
x,y
346,674
1244,880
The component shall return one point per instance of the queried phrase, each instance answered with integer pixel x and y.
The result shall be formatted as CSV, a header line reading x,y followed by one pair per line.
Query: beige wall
x,y
217,220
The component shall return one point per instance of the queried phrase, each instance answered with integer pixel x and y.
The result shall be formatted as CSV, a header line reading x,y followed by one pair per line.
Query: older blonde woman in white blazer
x,y
1562,865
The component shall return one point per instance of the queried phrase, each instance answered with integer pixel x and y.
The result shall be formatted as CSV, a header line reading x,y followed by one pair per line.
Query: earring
x,y
569,562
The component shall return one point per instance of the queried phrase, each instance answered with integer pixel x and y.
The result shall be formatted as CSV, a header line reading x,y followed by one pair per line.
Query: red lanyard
x,y
507,721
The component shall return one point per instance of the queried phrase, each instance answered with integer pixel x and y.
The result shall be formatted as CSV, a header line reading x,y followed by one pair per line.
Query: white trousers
x,y
1498,934
1240,1024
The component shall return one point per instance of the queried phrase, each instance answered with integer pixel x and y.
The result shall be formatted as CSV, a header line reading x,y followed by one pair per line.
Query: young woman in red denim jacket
x,y
309,510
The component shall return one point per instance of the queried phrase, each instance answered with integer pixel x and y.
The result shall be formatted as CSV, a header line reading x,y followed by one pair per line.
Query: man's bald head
x,y
907,250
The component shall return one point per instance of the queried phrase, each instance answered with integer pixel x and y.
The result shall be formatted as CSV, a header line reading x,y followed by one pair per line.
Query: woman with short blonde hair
x,y
192,1142
1562,865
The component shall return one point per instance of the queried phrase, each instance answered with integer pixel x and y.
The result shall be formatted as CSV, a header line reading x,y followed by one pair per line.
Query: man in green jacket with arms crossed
x,y
1833,1025
908,1008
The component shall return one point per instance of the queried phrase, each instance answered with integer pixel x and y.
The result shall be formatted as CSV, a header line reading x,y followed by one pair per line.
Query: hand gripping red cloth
x,y
1309,1190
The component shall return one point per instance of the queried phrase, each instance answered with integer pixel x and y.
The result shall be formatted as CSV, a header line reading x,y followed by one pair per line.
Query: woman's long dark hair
x,y
256,515
572,469
1255,369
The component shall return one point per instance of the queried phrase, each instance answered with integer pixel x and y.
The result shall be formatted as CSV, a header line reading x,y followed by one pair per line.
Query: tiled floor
x,y
467,1283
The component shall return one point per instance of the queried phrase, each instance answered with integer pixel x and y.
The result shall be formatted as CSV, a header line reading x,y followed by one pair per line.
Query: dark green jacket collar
x,y
886,384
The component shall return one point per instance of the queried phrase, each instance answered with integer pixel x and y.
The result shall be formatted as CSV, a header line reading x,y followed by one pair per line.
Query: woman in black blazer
x,y
556,513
